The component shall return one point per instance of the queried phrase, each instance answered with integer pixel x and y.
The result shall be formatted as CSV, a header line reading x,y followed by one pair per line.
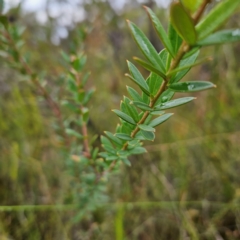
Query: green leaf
x,y
137,150
123,136
146,47
125,117
174,103
114,139
146,128
112,158
183,23
142,106
137,77
188,67
107,145
191,86
191,5
126,161
159,113
154,82
224,36
187,61
165,96
160,120
74,133
216,17
132,110
150,136
174,38
134,94
160,31
149,67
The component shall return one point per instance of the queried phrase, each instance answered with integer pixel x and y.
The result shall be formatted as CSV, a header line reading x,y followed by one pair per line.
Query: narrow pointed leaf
x,y
160,120
183,23
126,161
194,86
174,103
146,128
114,138
187,61
221,37
137,77
157,112
154,82
184,67
137,150
146,47
134,94
135,81
216,17
142,106
124,116
132,110
150,136
149,67
123,136
165,96
160,31
174,38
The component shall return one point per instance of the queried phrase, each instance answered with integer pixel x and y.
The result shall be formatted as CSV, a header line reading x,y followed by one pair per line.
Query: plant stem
x,y
184,48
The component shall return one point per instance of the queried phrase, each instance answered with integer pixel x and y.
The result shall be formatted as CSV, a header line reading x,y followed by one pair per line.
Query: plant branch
x,y
52,104
184,48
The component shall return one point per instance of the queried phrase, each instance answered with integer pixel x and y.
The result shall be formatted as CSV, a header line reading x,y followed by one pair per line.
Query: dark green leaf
x,y
187,61
224,36
107,145
160,120
149,67
137,150
112,158
154,82
159,113
160,31
150,136
187,67
142,106
174,38
123,136
216,17
134,94
126,161
146,47
132,110
174,103
137,77
124,116
183,23
114,138
146,128
191,86
165,96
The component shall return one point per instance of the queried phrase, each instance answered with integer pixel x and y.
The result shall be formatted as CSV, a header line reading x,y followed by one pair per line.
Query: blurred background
x,y
188,184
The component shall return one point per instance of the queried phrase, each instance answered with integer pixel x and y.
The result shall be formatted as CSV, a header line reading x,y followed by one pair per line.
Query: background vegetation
x,y
186,187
